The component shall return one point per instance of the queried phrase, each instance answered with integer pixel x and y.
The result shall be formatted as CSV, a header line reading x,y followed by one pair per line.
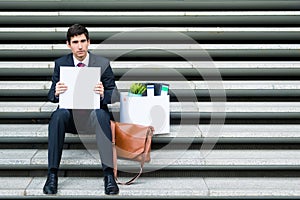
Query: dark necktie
x,y
80,65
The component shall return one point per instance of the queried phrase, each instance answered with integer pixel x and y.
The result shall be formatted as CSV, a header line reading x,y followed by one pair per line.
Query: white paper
x,y
81,82
145,110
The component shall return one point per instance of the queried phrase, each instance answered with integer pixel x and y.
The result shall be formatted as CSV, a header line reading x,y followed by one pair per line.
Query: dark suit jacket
x,y
107,76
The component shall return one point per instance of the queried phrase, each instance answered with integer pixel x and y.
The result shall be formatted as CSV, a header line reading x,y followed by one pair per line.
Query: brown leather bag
x,y
133,142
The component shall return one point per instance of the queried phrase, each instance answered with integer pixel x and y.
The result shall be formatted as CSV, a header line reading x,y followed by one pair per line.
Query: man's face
x,y
79,46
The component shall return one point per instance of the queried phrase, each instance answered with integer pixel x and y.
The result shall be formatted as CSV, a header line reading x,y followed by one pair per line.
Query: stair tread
x,y
160,158
59,30
197,33
187,47
156,187
192,107
188,85
174,64
150,5
151,13
176,131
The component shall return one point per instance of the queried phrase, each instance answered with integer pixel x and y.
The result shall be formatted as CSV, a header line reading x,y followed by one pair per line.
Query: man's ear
x,y
68,44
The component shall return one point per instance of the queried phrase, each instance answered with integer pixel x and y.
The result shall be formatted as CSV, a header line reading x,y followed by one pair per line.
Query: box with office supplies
x,y
147,109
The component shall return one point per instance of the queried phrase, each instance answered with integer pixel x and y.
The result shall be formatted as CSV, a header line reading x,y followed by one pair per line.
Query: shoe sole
x,y
49,192
111,193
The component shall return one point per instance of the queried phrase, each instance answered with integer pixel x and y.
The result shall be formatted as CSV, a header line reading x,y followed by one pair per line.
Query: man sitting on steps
x,y
62,120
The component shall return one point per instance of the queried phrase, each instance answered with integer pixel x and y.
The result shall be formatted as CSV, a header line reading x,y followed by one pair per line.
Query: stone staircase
x,y
233,68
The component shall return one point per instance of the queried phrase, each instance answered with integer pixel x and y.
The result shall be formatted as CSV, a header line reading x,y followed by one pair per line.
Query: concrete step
x,y
27,133
124,85
228,68
245,133
150,18
185,110
239,69
187,51
155,188
178,110
164,64
214,107
177,88
196,33
166,158
149,5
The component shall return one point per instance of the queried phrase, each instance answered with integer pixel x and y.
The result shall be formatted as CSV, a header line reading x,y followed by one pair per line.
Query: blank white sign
x,y
81,82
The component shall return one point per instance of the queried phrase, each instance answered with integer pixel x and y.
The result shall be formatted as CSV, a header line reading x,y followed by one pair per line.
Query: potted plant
x,y
137,89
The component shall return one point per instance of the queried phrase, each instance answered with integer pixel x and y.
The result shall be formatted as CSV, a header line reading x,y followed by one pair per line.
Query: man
x,y
62,120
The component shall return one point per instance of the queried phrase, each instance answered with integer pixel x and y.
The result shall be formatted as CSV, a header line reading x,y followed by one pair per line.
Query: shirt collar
x,y
85,61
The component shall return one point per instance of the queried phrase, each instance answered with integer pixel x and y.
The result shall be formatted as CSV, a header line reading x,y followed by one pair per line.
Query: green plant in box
x,y
137,88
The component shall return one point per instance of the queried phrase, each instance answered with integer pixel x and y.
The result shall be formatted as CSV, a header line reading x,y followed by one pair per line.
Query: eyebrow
x,y
76,41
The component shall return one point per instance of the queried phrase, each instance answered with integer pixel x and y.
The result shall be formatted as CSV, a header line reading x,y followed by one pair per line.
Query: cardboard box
x,y
146,110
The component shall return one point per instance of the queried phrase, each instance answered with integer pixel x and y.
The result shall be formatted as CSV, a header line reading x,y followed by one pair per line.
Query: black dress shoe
x,y
110,185
51,184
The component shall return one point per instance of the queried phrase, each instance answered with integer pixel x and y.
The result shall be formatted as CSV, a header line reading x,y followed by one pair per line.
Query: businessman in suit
x,y
62,120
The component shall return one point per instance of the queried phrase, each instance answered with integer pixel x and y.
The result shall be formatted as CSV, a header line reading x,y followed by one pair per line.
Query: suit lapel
x,y
70,61
92,60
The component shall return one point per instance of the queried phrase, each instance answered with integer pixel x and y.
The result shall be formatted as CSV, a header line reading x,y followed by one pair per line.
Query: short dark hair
x,y
77,29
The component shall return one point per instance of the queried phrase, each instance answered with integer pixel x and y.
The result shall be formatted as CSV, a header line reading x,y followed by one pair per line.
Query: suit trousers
x,y
77,122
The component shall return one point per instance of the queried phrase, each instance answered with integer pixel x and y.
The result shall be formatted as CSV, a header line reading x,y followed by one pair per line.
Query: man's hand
x,y
60,88
99,89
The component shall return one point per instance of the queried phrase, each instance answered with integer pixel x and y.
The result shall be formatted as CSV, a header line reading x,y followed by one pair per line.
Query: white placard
x,y
81,82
